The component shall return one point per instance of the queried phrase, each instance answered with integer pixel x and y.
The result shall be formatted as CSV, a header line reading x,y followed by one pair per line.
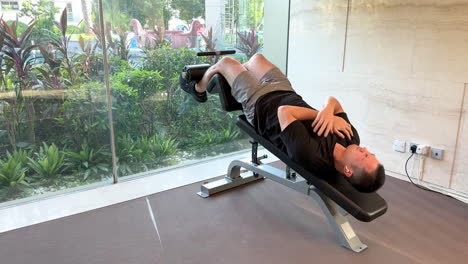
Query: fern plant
x,y
49,163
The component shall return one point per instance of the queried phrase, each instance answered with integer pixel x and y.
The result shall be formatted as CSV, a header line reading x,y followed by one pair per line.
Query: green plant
x,y
49,163
128,155
228,134
88,162
164,146
118,65
13,170
127,113
19,155
204,138
169,63
146,83
215,136
145,88
157,146
84,114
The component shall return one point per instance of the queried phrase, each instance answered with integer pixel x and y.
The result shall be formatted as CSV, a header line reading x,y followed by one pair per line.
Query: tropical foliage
x,y
13,169
249,43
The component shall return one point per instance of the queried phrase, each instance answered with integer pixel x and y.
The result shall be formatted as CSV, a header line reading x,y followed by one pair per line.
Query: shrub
x,y
169,63
137,95
127,113
118,65
84,115
146,83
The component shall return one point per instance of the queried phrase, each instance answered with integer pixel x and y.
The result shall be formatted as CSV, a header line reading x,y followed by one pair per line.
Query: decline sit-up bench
x,y
335,196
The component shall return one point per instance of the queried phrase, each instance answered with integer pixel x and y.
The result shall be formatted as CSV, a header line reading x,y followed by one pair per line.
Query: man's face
x,y
361,157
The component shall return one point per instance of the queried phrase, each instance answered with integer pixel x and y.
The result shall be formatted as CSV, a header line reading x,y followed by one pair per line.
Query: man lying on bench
x,y
322,142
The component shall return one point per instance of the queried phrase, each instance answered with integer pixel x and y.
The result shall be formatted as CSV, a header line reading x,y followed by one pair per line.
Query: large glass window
x,y
54,125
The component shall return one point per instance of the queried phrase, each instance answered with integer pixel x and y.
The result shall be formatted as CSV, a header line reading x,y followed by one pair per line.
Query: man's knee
x,y
229,68
228,62
257,57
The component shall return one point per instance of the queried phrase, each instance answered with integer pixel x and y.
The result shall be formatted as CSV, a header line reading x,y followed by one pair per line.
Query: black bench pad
x,y
218,84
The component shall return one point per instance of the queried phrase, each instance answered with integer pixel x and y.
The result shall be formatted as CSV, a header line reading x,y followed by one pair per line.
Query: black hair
x,y
367,182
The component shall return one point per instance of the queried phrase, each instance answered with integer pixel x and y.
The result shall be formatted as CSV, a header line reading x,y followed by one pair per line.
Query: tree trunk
x,y
30,120
161,29
86,15
11,117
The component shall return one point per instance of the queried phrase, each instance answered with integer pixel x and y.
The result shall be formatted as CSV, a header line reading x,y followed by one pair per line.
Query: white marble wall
x,y
401,75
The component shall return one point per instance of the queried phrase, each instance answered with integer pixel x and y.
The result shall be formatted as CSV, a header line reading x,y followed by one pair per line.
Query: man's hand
x,y
326,122
340,127
323,123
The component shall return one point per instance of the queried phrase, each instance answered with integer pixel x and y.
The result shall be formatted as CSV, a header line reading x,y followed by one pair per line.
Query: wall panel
x,y
405,71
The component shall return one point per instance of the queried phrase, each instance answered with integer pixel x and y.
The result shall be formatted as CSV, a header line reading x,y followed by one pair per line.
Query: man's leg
x,y
258,65
228,67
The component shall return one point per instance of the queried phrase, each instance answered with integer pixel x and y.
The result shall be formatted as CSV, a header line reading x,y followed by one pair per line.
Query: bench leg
x,y
348,238
233,178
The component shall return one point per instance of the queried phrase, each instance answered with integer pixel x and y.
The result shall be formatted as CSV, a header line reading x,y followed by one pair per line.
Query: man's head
x,y
362,169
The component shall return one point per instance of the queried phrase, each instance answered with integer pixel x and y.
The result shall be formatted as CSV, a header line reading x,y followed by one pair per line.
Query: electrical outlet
x,y
437,153
422,150
399,145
